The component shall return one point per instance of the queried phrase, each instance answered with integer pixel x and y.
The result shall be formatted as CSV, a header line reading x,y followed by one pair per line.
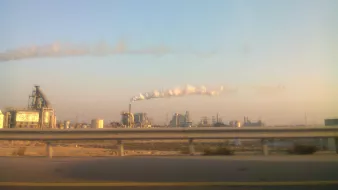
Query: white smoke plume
x,y
65,49
269,90
187,90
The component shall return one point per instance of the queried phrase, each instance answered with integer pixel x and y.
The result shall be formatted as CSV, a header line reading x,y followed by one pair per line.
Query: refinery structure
x,y
130,120
138,120
181,120
41,114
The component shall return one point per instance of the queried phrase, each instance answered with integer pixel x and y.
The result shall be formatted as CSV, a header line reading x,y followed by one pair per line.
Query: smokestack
x,y
129,115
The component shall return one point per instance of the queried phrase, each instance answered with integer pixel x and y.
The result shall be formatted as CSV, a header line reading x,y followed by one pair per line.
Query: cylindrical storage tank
x,y
67,125
97,124
1,120
238,124
7,120
54,122
46,117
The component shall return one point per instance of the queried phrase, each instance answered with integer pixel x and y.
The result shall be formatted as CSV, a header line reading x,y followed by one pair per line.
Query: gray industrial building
x,y
331,122
181,120
249,123
141,120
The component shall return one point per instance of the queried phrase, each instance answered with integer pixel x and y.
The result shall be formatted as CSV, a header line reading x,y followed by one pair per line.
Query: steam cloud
x,y
188,90
60,50
270,89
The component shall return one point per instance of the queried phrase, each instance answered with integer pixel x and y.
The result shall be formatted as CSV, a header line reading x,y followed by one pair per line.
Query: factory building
x,y
331,122
127,119
248,123
38,102
138,120
177,120
235,123
141,120
23,119
180,120
39,114
217,121
204,121
139,117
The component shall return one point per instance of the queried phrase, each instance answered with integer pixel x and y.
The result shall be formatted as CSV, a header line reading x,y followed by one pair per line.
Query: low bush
x,y
185,151
218,151
19,152
303,149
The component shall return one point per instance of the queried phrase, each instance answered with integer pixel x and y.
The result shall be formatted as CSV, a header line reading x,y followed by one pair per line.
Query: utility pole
x,y
167,118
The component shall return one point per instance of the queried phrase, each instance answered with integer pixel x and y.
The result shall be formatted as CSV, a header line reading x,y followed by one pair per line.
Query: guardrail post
x,y
191,147
120,148
265,147
49,149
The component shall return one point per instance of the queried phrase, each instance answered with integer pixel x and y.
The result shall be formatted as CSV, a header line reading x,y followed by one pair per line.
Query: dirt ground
x,y
132,148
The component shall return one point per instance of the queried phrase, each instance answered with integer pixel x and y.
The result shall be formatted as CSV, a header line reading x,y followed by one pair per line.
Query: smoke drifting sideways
x,y
66,49
176,92
269,90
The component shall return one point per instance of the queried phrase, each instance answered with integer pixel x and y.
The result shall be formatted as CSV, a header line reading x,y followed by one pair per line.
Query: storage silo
x,y
66,125
46,117
1,120
97,124
238,124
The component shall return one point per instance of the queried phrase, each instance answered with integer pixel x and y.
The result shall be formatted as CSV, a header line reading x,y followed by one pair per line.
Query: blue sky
x,y
240,44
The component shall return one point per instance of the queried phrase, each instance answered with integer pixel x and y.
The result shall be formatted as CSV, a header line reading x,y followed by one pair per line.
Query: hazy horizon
x,y
91,57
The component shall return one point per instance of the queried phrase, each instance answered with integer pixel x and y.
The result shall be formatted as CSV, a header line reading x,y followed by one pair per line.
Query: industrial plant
x,y
39,113
217,121
249,123
138,120
181,120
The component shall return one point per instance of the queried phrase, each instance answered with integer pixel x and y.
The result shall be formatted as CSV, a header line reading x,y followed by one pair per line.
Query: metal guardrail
x,y
263,133
169,133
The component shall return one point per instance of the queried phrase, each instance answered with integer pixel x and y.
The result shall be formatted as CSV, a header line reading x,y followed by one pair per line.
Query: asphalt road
x,y
171,170
331,187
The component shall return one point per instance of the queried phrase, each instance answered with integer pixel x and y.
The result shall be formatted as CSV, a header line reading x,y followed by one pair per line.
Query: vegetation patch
x,y
20,152
218,151
303,149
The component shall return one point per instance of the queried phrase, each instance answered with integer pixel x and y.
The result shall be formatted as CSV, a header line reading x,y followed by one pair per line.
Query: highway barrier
x,y
170,133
